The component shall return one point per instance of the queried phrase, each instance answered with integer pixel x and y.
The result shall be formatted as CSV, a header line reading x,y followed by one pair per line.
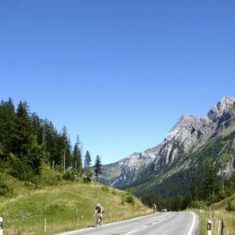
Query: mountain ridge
x,y
188,135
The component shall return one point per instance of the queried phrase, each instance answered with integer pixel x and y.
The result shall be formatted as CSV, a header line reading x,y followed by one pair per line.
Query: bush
x,y
86,180
230,206
68,175
5,190
199,204
50,177
19,169
130,199
88,176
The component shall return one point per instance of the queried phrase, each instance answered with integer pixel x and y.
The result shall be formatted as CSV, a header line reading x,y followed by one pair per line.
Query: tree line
x,y
27,141
205,187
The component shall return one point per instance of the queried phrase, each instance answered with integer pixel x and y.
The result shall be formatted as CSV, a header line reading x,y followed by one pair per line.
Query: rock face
x,y
125,171
187,136
223,106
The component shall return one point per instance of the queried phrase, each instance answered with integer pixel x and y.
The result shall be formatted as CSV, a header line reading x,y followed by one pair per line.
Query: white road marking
x,y
193,224
128,233
156,222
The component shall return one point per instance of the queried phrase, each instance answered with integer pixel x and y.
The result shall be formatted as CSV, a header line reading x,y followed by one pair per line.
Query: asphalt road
x,y
165,223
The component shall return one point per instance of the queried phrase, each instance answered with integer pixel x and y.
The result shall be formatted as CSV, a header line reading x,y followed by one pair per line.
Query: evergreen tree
x,y
77,159
210,182
87,160
24,146
37,127
57,159
67,145
23,136
97,167
7,128
51,144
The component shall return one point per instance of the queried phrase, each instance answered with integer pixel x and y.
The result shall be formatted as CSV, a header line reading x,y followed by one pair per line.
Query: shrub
x,y
19,169
230,206
5,190
68,175
130,199
198,204
87,177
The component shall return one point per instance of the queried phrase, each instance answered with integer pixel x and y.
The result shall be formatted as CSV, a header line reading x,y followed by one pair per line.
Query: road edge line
x,y
193,223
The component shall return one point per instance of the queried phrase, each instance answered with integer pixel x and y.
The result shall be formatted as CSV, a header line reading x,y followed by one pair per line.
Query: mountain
x,y
189,144
125,171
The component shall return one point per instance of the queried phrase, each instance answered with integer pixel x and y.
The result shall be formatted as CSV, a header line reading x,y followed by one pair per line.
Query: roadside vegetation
x,y
204,190
222,216
69,205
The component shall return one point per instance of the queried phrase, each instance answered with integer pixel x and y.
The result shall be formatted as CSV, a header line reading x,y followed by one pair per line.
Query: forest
x,y
27,142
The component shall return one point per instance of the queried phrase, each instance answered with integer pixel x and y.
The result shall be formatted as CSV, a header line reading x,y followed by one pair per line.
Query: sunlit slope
x,y
63,207
218,212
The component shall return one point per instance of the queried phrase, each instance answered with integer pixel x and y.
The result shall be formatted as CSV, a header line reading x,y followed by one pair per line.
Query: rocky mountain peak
x,y
224,105
135,159
186,122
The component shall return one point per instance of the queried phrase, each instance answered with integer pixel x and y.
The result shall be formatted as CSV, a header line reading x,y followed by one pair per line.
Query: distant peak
x,y
223,105
226,101
187,118
185,121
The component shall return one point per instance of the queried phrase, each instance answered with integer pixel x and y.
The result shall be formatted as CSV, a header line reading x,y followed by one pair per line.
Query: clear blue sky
x,y
117,72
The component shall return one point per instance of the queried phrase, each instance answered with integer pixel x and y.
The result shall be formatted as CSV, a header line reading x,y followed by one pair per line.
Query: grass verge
x,y
65,207
218,213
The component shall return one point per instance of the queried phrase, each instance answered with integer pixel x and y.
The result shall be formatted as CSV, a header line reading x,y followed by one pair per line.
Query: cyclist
x,y
99,214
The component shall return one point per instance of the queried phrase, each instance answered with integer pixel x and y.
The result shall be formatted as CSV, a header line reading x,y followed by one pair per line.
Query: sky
x,y
118,73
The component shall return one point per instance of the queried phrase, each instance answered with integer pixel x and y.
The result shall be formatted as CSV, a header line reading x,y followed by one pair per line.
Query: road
x,y
165,223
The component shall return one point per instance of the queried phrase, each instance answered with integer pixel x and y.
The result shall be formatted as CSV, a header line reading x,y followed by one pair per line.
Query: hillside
x,y
223,210
65,206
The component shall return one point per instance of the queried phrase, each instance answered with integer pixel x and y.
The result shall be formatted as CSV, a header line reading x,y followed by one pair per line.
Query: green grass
x,y
65,207
216,213
203,221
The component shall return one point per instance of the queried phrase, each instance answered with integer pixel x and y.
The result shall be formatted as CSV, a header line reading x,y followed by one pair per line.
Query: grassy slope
x,y
66,206
216,214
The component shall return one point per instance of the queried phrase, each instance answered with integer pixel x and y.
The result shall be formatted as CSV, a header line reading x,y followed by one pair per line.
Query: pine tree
x,y
97,167
37,128
77,159
7,128
52,144
23,137
210,182
87,160
67,148
25,146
